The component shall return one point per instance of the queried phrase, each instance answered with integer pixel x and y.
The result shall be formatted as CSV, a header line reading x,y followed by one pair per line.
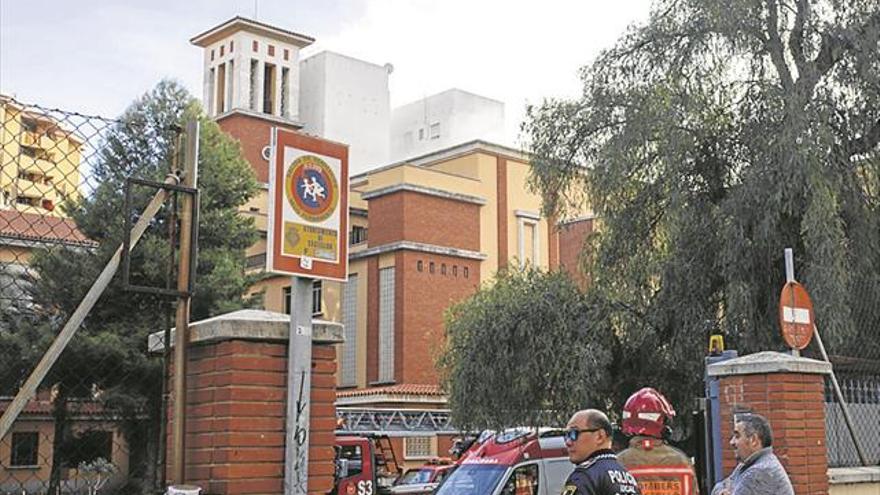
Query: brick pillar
x,y
790,392
236,404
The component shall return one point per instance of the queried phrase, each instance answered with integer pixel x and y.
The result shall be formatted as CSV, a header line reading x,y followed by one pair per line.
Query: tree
x,y
708,140
518,352
108,354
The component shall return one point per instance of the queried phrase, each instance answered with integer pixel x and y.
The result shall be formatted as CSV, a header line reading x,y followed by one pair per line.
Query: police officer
x,y
597,472
659,467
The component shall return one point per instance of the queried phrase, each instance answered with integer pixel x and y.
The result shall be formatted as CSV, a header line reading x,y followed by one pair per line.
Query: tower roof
x,y
239,23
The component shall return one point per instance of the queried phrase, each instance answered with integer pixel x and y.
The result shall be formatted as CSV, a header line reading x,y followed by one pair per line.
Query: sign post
x,y
308,239
796,318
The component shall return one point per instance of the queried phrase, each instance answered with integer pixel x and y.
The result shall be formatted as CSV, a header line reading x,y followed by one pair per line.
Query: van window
x,y
556,471
522,481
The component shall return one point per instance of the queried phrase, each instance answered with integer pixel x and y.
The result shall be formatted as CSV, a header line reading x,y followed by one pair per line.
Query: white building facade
x,y
347,100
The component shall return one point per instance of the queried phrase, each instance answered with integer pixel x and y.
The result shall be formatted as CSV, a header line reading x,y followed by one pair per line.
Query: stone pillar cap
x,y
768,362
249,324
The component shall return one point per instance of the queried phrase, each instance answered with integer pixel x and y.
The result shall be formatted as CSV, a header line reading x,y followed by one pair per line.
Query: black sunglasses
x,y
572,434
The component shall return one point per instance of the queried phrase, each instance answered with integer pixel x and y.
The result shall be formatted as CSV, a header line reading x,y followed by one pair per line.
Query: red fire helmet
x,y
646,413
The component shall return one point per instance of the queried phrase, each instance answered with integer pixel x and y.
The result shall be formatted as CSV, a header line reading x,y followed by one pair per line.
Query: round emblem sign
x,y
311,188
796,315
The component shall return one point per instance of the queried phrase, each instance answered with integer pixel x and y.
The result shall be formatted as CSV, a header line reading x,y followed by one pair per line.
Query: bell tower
x,y
252,67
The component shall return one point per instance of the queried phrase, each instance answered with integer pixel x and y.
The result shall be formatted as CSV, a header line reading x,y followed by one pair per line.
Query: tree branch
x,y
833,47
796,42
774,45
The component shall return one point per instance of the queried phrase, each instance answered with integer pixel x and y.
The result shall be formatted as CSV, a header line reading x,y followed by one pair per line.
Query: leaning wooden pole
x,y
181,324
29,389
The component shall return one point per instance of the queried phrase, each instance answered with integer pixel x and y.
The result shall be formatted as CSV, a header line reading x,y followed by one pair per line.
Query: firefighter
x,y
660,468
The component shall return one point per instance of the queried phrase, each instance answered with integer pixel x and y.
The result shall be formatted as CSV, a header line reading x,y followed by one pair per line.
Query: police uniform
x,y
660,469
601,474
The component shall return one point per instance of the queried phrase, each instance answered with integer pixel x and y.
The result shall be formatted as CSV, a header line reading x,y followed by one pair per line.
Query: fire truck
x,y
517,461
365,465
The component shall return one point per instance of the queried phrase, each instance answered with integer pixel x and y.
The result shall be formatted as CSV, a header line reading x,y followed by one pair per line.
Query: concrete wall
x,y
347,100
442,120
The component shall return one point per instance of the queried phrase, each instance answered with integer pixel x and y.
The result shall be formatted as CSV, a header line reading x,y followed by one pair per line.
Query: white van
x,y
517,461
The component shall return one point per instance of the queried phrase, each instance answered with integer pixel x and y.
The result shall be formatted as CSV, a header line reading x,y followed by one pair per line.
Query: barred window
x,y
349,321
25,445
386,324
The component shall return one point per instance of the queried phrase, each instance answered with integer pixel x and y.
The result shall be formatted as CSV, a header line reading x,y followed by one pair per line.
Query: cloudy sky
x,y
97,56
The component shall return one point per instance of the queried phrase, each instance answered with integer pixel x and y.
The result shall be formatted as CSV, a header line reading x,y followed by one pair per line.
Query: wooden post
x,y
181,334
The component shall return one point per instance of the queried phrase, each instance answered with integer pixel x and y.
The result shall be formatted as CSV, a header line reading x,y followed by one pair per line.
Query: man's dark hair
x,y
597,419
755,424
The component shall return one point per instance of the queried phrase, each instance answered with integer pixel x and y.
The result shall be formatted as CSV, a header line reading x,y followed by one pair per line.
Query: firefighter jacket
x,y
661,469
600,474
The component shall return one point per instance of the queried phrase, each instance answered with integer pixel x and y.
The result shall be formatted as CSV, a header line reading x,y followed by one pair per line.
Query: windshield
x,y
414,476
472,479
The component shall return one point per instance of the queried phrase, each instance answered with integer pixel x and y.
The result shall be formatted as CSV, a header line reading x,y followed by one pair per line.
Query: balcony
x,y
38,140
36,189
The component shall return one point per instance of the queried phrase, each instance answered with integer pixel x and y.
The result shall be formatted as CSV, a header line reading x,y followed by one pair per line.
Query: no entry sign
x,y
308,212
796,317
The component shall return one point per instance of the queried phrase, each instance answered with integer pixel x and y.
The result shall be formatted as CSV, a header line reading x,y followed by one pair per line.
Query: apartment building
x,y
39,161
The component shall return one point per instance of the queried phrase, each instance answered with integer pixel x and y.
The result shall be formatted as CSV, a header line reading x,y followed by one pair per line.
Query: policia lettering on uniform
x,y
597,471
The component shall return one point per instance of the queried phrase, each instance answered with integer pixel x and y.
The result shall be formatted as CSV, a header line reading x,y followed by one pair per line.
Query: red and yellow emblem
x,y
311,188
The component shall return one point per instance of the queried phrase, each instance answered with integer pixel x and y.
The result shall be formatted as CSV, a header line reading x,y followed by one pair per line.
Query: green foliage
x,y
708,140
518,352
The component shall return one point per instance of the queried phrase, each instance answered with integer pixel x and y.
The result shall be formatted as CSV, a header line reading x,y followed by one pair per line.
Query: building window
x,y
212,55
431,267
231,46
317,299
435,130
25,446
221,88
91,445
528,236
358,235
222,49
256,46
286,54
417,447
348,365
271,50
28,125
386,324
443,269
230,80
269,88
454,270
419,265
421,134
465,272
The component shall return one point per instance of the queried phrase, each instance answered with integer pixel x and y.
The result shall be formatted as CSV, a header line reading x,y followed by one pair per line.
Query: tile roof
x,y
41,228
42,407
401,389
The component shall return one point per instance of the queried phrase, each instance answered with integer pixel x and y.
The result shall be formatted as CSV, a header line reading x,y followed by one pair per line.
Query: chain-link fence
x,y
95,422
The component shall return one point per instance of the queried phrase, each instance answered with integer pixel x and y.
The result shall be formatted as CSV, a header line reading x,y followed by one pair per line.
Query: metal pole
x,y
76,318
789,277
181,334
299,386
840,400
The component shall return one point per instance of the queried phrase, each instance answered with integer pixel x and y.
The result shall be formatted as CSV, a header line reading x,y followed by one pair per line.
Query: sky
x,y
96,57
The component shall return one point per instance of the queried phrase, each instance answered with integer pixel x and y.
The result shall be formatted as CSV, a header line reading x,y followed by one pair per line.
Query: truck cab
x,y
518,461
423,479
365,465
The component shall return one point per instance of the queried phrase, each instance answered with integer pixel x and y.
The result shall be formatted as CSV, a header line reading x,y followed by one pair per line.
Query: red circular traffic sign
x,y
796,318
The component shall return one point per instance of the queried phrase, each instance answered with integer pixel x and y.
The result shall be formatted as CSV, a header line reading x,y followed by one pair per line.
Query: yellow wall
x,y
854,489
520,198
46,433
